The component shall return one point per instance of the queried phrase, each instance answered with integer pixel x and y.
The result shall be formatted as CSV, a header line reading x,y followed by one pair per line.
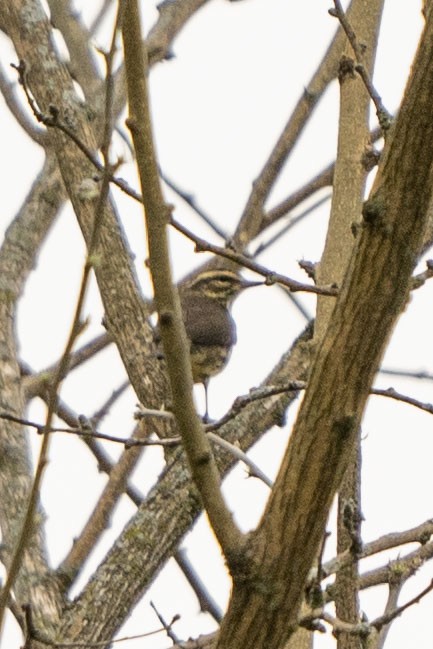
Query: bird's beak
x,y
248,284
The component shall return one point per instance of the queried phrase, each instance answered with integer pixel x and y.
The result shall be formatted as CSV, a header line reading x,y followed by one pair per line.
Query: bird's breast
x,y
207,322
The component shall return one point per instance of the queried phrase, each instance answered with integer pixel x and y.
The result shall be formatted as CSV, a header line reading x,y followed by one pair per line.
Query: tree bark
x,y
267,591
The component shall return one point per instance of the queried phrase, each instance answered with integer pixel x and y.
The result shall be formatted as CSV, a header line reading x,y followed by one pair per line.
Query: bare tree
x,y
74,113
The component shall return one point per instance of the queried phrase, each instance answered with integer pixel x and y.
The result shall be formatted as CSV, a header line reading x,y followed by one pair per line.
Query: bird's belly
x,y
207,360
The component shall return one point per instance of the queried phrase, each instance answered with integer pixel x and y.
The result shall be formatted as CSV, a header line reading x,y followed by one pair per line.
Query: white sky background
x,y
218,108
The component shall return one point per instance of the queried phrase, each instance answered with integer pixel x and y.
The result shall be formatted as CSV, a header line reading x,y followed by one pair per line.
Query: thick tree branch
x,y
17,258
349,181
366,311
82,63
169,511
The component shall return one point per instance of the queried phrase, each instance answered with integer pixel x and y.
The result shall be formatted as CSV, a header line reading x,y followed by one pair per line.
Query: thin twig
x,y
206,601
297,303
419,534
401,568
102,412
383,115
420,279
106,464
190,200
254,395
142,413
8,92
32,633
167,627
109,88
271,277
411,374
94,25
255,471
394,591
393,394
53,121
102,458
34,384
385,619
291,224
309,621
322,180
362,629
88,432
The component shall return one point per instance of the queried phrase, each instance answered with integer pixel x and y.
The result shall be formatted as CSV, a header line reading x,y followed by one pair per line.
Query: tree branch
x,y
287,539
176,349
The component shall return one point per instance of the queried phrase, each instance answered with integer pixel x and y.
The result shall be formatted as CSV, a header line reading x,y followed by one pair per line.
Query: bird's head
x,y
219,285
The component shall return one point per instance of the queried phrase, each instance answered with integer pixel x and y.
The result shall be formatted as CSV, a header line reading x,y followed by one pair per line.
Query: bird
x,y
206,301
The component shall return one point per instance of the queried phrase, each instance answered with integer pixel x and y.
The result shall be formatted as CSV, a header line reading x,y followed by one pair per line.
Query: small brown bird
x,y
210,328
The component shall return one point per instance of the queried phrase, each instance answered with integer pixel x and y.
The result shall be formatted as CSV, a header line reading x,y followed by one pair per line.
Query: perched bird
x,y
210,328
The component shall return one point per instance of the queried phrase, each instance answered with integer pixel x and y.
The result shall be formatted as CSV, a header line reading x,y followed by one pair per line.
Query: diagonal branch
x,y
367,308
172,18
170,509
17,259
251,219
176,351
